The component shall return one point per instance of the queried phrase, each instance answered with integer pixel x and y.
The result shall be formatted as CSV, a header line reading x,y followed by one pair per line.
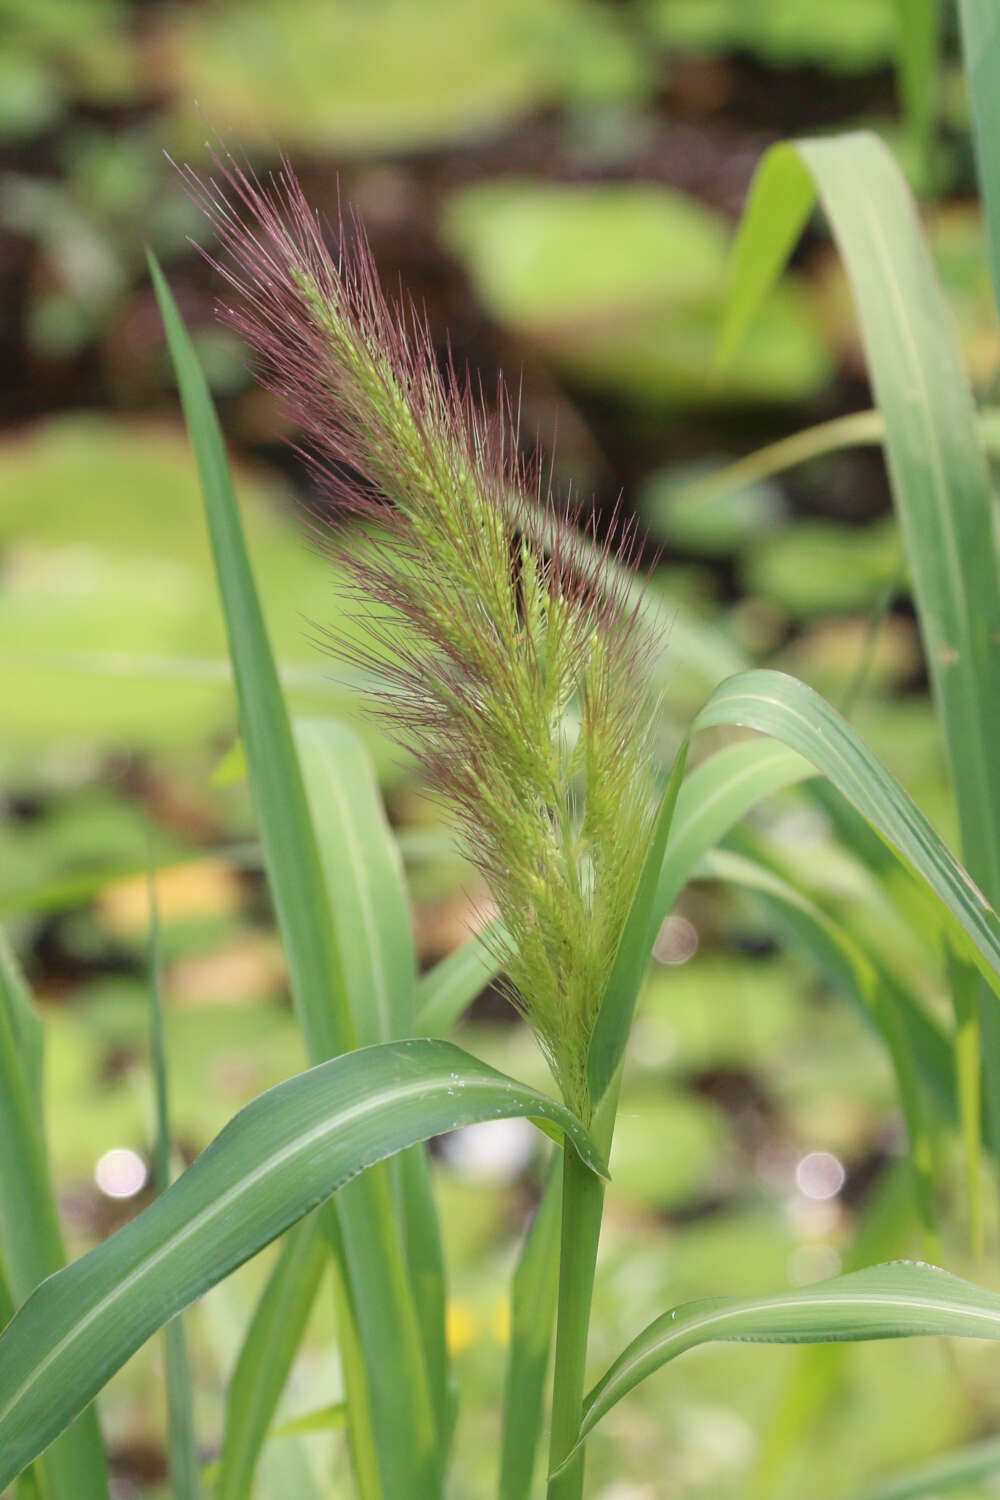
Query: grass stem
x,y
582,1211
583,1205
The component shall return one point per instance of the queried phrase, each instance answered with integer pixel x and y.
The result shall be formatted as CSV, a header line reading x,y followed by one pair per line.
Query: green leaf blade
x,y
532,1321
370,910
280,1157
903,1299
614,1018
981,49
182,1446
266,1355
364,877
31,1246
447,990
787,710
380,1297
712,799
780,202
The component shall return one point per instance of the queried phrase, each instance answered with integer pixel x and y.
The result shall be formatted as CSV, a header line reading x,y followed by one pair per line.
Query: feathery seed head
x,y
512,657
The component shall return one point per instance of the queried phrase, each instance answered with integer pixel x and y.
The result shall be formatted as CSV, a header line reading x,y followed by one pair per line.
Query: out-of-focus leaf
x,y
903,1299
371,915
820,567
948,1472
266,1355
532,1318
981,46
31,1246
445,991
182,1445
623,286
854,35
715,796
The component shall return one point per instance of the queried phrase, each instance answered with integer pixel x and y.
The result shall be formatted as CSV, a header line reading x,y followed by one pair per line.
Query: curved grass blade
x,y
281,1156
267,1353
715,796
787,710
875,994
25,1022
182,1447
939,476
777,210
940,481
374,925
31,1246
858,429
380,1296
903,1299
290,852
445,992
29,1484
614,1018
816,1372
532,1320
950,1471
364,878
325,1419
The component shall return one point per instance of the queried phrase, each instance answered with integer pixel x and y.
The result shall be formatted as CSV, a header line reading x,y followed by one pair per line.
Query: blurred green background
x,y
557,182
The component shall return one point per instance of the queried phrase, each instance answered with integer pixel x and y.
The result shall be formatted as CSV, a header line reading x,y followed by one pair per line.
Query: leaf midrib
x,y
859,1301
212,1211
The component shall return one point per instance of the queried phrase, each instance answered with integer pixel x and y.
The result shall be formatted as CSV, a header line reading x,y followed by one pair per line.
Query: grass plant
x,y
516,655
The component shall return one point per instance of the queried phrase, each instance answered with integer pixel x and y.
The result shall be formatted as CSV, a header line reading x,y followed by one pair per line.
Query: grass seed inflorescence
x,y
510,649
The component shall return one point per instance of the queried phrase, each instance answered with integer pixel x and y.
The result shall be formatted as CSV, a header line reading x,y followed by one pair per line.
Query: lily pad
x,y
622,286
82,47
821,567
393,75
851,36
110,627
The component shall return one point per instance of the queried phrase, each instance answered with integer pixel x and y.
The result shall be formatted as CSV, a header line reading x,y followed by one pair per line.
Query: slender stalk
x,y
583,1206
182,1445
582,1211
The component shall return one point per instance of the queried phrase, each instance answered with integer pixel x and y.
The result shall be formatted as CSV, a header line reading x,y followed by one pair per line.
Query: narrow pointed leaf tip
x,y
279,1158
512,651
901,1299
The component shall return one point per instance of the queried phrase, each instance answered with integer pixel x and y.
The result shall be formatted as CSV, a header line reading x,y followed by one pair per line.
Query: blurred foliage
x,y
58,51
109,625
622,287
371,77
819,567
851,35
